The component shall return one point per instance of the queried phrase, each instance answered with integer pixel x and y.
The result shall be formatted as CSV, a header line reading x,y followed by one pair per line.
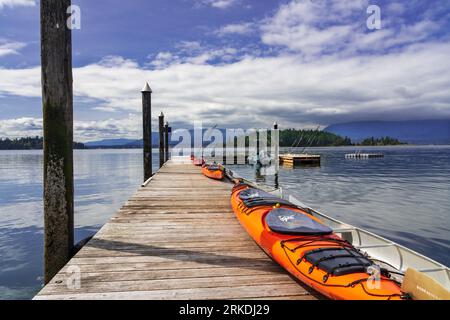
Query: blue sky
x,y
237,63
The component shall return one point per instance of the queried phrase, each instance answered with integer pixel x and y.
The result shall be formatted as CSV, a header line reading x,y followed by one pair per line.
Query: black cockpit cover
x,y
255,197
287,221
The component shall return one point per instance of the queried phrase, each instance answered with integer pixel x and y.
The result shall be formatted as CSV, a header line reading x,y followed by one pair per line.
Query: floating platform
x,y
363,155
299,159
176,238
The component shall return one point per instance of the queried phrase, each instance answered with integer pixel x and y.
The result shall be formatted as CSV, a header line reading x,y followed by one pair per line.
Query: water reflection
x,y
104,180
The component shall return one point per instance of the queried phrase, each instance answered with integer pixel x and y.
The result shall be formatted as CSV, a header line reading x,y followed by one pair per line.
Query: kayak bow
x,y
213,171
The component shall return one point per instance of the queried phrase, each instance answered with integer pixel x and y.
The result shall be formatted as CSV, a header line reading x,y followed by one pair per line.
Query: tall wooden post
x,y
275,136
166,140
257,147
161,139
57,105
147,129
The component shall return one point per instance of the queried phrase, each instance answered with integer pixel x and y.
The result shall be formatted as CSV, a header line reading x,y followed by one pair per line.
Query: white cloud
x,y
219,4
163,60
84,131
239,28
129,127
16,3
396,8
312,27
20,127
10,47
225,54
315,28
193,53
189,46
256,91
21,82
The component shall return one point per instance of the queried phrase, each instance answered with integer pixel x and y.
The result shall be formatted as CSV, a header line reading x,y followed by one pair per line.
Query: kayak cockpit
x,y
254,198
285,221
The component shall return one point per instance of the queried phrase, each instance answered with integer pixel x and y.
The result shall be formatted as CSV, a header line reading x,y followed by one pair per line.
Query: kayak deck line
x,y
175,238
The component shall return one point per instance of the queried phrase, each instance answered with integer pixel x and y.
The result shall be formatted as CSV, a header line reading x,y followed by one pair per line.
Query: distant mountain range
x,y
111,143
138,143
415,132
121,143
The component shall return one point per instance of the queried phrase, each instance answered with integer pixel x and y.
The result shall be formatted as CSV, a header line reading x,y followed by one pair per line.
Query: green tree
x,y
29,143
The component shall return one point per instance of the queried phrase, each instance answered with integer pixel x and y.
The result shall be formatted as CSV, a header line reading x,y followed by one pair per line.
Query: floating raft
x,y
176,238
300,159
363,155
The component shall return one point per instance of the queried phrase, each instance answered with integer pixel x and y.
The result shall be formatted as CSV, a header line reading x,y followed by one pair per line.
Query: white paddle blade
x,y
421,287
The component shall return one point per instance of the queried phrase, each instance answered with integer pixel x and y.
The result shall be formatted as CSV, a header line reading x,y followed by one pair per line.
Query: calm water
x,y
404,197
104,180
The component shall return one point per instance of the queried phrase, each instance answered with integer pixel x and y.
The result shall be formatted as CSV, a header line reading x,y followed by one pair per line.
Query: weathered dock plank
x,y
176,238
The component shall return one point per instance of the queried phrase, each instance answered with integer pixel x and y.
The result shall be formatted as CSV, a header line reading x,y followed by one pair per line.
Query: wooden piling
x,y
166,141
57,103
257,143
161,139
275,136
147,129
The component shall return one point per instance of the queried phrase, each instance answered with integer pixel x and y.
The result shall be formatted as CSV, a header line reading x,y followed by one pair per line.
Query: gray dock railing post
x,y
166,140
147,130
57,105
161,139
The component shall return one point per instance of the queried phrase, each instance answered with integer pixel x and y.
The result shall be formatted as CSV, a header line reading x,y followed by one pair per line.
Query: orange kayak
x,y
213,172
308,249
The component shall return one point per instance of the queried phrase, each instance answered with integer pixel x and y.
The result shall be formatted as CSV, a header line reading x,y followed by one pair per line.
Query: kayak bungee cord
x,y
341,242
338,243
316,239
351,284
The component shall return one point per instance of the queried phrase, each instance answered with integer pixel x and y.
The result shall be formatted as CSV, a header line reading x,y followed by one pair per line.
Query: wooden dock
x,y
176,238
299,159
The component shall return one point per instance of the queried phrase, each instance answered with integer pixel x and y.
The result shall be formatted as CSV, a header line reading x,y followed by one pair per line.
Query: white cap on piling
x,y
146,88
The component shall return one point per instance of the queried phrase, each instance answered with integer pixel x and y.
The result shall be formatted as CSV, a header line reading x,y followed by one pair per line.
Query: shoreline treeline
x,y
29,143
288,138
